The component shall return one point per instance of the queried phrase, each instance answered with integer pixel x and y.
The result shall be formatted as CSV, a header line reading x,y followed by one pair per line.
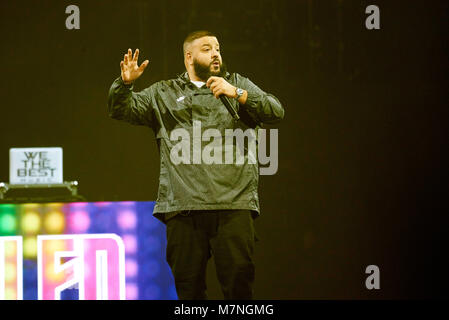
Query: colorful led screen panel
x,y
93,241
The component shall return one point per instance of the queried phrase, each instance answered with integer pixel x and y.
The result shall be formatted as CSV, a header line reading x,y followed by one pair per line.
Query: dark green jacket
x,y
177,103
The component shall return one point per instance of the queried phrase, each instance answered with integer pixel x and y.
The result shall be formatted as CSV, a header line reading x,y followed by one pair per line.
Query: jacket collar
x,y
184,77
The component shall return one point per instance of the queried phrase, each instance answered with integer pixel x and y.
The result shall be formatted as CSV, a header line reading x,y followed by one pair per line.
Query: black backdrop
x,y
362,173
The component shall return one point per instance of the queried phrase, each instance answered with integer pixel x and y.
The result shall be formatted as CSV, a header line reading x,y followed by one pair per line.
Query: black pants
x,y
228,235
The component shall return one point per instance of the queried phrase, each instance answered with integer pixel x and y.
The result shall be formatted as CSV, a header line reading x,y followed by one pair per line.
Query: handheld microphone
x,y
225,100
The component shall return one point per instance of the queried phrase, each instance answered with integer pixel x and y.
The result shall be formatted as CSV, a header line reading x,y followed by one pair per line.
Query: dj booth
x,y
56,245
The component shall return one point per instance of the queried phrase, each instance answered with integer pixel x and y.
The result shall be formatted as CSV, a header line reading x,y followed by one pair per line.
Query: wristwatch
x,y
239,92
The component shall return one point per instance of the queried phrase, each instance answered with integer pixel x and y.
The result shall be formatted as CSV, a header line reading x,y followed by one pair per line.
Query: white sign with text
x,y
35,165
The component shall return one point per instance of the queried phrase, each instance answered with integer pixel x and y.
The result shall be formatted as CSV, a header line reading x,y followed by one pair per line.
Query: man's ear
x,y
189,58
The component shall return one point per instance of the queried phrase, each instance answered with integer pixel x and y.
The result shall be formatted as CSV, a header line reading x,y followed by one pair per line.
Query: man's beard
x,y
204,72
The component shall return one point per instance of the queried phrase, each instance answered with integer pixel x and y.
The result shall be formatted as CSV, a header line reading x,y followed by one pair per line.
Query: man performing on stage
x,y
207,203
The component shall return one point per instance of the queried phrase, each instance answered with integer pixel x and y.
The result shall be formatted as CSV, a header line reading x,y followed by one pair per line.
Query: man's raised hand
x,y
130,70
